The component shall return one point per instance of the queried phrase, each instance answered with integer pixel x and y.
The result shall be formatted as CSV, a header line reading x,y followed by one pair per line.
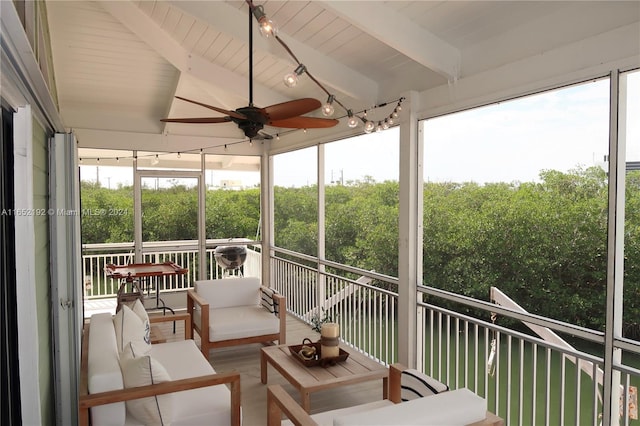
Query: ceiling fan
x,y
252,119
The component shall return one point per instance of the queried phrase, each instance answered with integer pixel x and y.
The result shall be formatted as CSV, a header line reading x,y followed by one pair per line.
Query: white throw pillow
x,y
142,371
129,328
134,350
138,309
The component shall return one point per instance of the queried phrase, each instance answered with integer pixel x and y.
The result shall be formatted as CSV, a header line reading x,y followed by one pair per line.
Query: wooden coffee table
x,y
357,368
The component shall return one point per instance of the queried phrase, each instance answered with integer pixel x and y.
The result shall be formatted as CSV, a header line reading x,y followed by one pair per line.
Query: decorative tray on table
x,y
313,359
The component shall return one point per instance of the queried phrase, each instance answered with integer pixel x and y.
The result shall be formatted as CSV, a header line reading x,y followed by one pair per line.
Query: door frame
x,y
137,209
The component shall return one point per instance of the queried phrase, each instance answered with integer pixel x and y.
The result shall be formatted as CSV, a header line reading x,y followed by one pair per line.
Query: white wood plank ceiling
x,y
119,64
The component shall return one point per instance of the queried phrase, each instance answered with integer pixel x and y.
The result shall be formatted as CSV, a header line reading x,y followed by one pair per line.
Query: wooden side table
x,y
356,369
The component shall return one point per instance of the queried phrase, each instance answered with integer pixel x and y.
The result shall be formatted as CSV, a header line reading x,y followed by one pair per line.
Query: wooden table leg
x,y
306,402
385,388
263,367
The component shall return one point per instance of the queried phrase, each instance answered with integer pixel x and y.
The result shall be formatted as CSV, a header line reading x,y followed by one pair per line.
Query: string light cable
x,y
291,79
269,29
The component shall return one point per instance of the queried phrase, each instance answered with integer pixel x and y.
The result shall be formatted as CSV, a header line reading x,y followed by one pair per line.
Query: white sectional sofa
x,y
188,392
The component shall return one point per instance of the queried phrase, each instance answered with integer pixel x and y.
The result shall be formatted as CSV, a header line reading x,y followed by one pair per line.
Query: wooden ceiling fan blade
x,y
291,108
304,123
202,120
220,110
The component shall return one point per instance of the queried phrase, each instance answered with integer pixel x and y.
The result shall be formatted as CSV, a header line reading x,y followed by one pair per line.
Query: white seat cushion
x,y
195,407
326,418
240,322
455,408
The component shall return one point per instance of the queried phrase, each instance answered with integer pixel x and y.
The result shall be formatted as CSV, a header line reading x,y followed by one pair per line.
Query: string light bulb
x,y
327,108
352,122
291,79
368,126
179,155
155,160
268,28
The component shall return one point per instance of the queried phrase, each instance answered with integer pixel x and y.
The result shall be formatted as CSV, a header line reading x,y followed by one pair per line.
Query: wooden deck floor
x,y
246,360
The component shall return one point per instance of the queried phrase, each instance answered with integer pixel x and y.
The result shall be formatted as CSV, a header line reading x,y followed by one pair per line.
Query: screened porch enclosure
x,y
533,366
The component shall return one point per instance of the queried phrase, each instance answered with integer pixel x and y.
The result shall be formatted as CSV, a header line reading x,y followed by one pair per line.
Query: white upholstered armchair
x,y
235,311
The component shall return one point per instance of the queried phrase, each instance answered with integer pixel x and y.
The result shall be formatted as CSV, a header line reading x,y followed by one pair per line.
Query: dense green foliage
x,y
168,214
544,244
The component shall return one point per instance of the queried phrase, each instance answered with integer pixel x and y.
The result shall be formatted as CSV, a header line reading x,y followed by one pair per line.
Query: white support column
x,y
615,246
321,279
266,215
410,232
202,223
137,211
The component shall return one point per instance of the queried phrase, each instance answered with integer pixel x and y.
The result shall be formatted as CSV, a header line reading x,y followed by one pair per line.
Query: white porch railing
x,y
184,253
366,313
530,382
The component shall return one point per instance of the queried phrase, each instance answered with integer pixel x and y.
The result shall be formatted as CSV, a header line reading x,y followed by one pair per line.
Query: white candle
x,y
330,329
329,351
329,332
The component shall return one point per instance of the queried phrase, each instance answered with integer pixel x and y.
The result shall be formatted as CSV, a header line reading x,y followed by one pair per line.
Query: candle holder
x,y
329,340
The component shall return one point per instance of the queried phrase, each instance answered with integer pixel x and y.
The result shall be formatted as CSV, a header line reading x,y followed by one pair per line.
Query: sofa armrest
x,y
278,402
186,317
282,315
196,299
87,401
395,382
193,300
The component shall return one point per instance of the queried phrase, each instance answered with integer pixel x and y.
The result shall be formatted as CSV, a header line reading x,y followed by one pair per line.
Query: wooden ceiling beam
x,y
143,26
400,33
233,22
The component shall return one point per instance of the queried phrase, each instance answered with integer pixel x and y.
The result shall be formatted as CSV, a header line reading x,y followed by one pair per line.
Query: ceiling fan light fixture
x,y
291,79
352,122
267,27
327,108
